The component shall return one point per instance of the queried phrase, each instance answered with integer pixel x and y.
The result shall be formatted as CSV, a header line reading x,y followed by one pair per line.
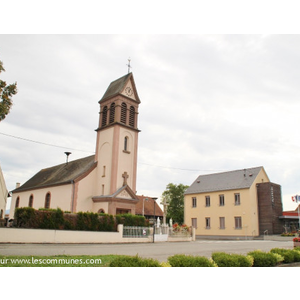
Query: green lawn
x,y
57,261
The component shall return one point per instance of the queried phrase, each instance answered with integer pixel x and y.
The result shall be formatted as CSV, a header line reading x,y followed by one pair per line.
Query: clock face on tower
x,y
129,91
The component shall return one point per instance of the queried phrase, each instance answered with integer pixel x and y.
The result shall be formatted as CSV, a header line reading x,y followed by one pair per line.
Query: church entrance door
x,y
122,211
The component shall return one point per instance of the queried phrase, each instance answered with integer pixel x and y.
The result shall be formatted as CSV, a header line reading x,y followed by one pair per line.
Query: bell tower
x,y
117,146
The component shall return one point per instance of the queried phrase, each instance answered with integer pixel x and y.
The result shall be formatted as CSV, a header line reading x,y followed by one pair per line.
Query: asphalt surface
x,y
159,250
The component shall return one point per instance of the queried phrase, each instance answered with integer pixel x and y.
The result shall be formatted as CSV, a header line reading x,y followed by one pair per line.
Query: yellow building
x,y
240,204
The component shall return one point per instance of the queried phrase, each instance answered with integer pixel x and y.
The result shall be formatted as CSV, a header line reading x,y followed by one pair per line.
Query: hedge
x,y
255,258
134,261
289,255
27,217
265,259
223,259
181,260
131,220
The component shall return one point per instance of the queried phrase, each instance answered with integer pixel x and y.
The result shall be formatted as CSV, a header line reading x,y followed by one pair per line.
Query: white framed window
x,y
194,222
221,200
207,223
194,202
222,222
237,199
207,201
238,222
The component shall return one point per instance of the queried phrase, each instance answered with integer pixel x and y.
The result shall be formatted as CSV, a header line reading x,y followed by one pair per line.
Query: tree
x,y
6,93
174,196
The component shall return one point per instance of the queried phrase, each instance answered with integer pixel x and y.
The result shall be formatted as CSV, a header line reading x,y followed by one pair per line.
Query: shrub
x,y
181,260
51,219
95,222
134,261
131,220
288,255
223,259
264,259
296,255
279,258
87,221
24,217
106,223
27,217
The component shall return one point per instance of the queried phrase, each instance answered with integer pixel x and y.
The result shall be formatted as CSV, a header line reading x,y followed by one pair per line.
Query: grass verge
x,y
57,261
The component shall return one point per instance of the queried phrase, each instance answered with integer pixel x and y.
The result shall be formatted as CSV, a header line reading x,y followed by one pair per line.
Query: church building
x,y
104,182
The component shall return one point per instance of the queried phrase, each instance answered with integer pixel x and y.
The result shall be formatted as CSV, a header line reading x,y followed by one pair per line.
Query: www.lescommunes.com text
x,y
50,261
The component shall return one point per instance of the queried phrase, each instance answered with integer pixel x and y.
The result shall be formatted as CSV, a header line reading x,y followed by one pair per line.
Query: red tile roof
x,y
148,207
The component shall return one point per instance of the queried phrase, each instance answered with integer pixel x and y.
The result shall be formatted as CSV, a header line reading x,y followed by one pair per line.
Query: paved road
x,y
160,251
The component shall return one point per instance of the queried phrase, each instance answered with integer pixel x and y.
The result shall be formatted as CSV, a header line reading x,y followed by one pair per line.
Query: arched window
x,y
30,203
112,113
101,211
47,200
123,113
126,143
17,202
132,116
104,116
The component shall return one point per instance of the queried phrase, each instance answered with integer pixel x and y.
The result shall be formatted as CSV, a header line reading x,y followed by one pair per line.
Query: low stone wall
x,y
44,236
180,239
47,236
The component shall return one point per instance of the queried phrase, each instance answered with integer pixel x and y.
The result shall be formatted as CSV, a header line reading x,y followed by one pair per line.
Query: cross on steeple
x,y
128,65
125,176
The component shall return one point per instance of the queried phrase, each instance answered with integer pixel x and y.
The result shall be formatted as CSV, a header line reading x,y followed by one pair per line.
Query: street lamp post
x,y
154,199
144,199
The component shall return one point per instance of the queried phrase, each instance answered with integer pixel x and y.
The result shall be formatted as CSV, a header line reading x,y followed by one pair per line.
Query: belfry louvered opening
x,y
132,116
104,116
112,113
123,113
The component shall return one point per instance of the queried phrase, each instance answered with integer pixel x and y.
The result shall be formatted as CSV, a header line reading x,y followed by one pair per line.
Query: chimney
x,y
18,184
67,154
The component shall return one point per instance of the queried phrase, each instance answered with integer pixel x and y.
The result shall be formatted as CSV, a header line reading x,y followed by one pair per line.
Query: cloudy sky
x,y
209,103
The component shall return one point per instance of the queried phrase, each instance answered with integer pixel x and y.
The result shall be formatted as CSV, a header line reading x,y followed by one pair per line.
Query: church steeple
x,y
117,136
119,103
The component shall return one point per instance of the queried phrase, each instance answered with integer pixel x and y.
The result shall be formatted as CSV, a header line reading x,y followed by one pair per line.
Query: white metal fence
x,y
140,232
136,231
